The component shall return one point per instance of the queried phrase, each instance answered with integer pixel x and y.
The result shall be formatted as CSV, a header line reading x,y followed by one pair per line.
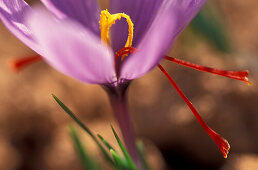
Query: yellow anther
x,y
107,20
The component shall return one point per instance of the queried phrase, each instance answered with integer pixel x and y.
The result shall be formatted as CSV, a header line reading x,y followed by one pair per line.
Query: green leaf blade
x,y
85,128
105,143
119,162
140,147
209,26
85,158
129,161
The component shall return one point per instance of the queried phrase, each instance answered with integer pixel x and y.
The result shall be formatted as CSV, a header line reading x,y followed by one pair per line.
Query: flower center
x,y
107,20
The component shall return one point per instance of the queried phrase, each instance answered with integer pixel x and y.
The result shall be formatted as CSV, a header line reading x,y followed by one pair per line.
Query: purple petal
x,y
72,49
84,11
173,16
12,14
142,13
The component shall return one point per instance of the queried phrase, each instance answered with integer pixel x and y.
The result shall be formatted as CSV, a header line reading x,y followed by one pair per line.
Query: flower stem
x,y
120,108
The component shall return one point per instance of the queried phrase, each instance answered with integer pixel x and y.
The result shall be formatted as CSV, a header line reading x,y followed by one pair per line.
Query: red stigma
x,y
238,75
124,51
18,64
220,141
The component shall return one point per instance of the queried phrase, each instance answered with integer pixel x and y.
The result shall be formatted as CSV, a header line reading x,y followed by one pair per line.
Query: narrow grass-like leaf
x,y
105,143
209,26
141,150
128,159
119,162
86,129
85,158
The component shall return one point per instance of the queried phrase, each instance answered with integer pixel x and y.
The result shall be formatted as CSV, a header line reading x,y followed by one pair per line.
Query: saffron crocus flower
x,y
76,38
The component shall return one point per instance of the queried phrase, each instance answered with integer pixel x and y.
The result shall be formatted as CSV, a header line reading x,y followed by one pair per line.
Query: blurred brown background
x,y
33,128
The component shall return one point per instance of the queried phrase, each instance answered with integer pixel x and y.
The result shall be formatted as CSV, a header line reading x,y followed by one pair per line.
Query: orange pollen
x,y
18,64
238,75
220,141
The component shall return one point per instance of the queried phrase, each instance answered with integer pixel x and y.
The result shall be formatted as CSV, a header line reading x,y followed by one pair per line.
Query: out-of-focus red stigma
x,y
220,141
18,64
238,75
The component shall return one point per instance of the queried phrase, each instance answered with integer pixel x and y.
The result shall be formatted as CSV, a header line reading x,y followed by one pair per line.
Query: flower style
x,y
76,38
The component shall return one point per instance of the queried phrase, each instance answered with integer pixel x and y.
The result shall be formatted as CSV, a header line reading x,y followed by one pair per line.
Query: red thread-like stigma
x,y
220,141
238,75
124,51
18,64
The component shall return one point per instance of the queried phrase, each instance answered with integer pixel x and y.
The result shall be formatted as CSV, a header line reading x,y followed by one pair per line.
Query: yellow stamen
x,y
107,20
